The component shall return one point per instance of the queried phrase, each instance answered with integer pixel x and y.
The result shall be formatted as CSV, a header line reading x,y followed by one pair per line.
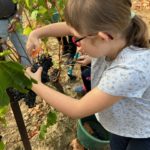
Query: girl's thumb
x,y
40,70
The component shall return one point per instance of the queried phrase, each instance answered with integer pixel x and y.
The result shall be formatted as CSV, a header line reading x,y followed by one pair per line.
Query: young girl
x,y
117,40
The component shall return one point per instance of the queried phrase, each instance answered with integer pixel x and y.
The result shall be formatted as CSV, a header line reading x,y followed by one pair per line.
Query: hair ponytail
x,y
137,33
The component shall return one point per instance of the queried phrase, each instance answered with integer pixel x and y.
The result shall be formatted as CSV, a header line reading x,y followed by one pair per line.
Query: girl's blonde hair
x,y
110,16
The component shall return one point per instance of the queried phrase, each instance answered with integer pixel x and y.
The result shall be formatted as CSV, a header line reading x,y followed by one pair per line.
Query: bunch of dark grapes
x,y
46,63
15,94
30,97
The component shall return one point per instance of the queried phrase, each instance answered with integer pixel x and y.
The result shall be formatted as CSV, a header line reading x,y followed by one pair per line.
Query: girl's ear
x,y
103,36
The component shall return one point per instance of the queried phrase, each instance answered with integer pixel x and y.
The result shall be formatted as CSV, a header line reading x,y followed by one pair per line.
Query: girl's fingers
x,y
29,49
80,62
82,57
27,72
28,69
40,70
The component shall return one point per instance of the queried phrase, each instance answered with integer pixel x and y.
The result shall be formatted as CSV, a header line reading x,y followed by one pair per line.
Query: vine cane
x,y
20,123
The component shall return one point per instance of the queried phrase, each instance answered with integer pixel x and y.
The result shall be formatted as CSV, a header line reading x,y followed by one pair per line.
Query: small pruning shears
x,y
36,52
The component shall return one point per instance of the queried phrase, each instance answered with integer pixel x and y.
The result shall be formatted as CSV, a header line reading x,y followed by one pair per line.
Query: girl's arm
x,y
94,101
53,30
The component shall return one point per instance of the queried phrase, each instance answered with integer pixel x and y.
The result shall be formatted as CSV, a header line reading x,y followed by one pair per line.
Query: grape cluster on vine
x,y
44,61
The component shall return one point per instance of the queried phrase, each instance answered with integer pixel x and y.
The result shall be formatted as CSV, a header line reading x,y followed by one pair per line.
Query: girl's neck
x,y
118,45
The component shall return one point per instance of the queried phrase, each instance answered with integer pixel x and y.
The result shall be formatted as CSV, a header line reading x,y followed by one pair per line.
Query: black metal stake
x,y
20,122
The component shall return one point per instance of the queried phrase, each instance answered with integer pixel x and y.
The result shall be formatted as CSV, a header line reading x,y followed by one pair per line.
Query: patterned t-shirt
x,y
128,76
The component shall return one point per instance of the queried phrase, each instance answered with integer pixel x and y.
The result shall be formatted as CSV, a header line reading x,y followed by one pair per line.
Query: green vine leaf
x,y
41,2
42,10
43,131
2,145
51,118
5,53
28,3
3,121
34,14
3,111
14,1
27,31
12,75
19,27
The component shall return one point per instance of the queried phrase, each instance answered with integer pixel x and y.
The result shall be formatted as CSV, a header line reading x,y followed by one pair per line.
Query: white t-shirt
x,y
128,76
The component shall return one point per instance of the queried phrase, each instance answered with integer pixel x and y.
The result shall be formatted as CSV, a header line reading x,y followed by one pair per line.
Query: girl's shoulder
x,y
132,52
128,75
133,56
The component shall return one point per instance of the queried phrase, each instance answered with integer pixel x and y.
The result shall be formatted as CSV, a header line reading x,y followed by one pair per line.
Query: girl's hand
x,y
33,43
36,76
84,60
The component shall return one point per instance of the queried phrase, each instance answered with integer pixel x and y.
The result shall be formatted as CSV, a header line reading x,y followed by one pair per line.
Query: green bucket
x,y
89,141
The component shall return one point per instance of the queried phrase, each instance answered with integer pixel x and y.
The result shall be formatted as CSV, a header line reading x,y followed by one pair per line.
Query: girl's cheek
x,y
82,45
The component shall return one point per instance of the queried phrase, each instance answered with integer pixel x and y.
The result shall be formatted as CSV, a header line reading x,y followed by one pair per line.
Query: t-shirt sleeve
x,y
123,81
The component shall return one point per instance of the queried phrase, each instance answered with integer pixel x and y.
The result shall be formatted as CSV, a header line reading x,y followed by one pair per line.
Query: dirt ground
x,y
63,132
